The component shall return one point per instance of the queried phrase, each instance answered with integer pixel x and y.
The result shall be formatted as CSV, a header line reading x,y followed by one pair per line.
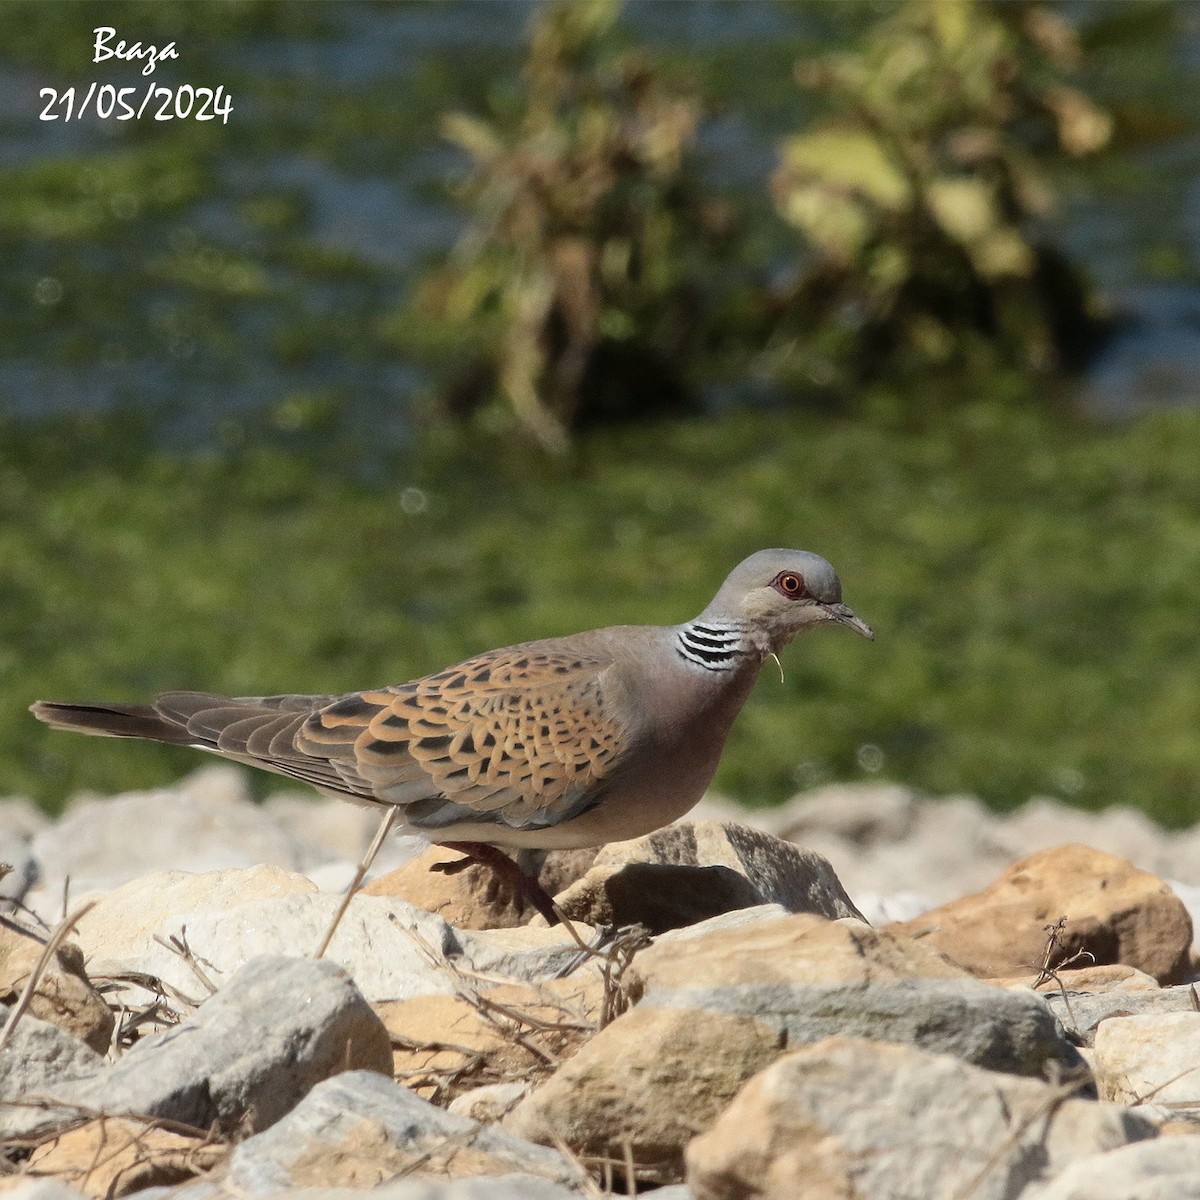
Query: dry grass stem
x,y
167,1006
627,1145
16,926
586,1180
178,945
56,939
452,1142
614,950
1047,973
83,1114
543,1038
125,1157
1140,1098
360,872
1058,1094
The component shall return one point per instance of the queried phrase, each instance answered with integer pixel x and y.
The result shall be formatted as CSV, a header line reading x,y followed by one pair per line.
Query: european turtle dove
x,y
567,742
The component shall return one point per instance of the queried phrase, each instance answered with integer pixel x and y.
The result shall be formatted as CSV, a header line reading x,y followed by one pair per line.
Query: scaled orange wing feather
x,y
516,736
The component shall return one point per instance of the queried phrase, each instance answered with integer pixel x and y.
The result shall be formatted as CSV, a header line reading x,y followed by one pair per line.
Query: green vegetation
x,y
586,280
922,189
1032,586
594,278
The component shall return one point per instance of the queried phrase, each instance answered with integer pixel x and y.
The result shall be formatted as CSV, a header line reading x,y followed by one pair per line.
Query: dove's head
x,y
782,593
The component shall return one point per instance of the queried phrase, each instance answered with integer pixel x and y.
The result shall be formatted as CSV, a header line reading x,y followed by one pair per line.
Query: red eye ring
x,y
791,585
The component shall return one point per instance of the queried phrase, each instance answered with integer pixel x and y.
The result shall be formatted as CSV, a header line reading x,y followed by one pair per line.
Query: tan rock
x,y
1152,1058
1114,911
847,1118
645,1086
126,918
860,813
443,1046
1113,977
114,1157
489,1103
475,897
694,870
64,995
1164,1168
713,1009
794,949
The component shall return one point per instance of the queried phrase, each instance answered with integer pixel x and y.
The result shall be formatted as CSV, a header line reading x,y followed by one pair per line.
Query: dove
x,y
561,743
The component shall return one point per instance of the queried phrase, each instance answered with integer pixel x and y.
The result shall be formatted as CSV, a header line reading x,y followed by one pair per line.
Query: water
x,y
335,125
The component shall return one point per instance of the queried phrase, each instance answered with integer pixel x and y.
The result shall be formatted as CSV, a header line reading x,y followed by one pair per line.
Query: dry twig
x,y
1058,1093
1047,972
364,866
63,928
178,944
543,1038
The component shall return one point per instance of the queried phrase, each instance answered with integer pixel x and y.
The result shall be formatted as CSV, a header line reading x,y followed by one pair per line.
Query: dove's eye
x,y
789,584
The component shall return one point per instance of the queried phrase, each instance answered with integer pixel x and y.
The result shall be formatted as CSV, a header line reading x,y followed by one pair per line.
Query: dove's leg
x,y
481,852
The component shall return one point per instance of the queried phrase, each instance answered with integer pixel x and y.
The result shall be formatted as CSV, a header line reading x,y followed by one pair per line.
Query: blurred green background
x,y
478,323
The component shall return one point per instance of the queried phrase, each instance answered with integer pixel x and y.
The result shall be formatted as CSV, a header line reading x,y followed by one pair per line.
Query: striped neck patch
x,y
712,645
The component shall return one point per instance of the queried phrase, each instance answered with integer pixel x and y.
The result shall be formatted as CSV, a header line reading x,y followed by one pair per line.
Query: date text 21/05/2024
x,y
159,102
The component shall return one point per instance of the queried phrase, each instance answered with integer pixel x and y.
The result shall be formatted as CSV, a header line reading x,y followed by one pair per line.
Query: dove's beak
x,y
844,616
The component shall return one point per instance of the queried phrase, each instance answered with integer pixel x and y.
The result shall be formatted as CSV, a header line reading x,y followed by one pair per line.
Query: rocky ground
x,y
1013,1017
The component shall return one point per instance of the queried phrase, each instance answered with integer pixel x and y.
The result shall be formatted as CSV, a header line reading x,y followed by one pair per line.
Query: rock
x,y
1114,912
17,1187
114,1157
21,818
119,933
445,1045
694,870
1081,1013
863,814
812,1125
884,840
1152,1059
249,1053
656,895
482,1187
393,950
64,996
509,1186
1112,977
40,1061
878,909
474,898
740,918
20,822
477,897
812,978
1189,896
1124,832
206,823
487,1104
18,868
647,1083
1167,1168
359,1129
714,1010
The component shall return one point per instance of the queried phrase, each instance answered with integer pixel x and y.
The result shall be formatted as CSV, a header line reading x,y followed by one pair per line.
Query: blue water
x,y
387,213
